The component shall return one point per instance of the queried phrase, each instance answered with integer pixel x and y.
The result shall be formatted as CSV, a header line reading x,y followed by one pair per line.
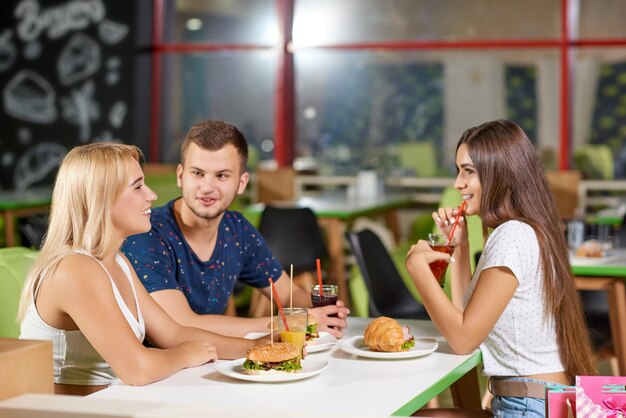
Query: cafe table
x,y
349,386
336,212
15,204
608,274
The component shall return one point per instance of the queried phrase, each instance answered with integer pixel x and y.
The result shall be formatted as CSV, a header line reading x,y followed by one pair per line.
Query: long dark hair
x,y
514,186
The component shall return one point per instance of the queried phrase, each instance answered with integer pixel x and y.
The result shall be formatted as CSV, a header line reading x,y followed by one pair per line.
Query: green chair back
x,y
164,185
14,265
418,156
595,162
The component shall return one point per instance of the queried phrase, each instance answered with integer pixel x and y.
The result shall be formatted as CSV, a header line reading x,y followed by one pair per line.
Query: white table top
x,y
349,386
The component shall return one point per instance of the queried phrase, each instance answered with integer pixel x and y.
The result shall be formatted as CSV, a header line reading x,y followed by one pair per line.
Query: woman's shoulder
x,y
513,233
515,226
75,266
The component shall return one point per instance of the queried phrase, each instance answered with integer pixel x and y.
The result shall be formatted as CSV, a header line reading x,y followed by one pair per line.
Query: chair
x,y
14,265
388,295
275,185
595,161
295,237
564,186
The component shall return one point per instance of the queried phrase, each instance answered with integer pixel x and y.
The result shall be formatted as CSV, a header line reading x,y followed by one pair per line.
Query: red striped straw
x,y
456,221
280,307
319,276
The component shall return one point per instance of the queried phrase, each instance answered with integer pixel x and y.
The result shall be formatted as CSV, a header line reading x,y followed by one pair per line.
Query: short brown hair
x,y
214,135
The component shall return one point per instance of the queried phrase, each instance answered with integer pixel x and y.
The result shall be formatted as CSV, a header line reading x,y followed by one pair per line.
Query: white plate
x,y
355,345
234,369
590,261
324,341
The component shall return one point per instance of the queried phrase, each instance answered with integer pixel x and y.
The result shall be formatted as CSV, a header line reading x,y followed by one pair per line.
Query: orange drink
x,y
296,338
297,321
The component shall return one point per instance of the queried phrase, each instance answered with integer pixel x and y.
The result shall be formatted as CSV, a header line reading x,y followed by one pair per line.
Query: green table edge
x,y
439,386
9,205
402,202
599,271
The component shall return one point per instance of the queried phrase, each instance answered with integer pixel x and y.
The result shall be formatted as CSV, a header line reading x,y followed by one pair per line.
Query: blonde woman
x,y
83,294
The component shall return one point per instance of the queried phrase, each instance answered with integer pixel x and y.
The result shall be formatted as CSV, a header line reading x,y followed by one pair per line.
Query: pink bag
x,y
560,401
600,397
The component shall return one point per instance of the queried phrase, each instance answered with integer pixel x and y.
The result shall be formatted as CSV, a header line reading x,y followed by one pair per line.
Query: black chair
x,y
294,236
388,295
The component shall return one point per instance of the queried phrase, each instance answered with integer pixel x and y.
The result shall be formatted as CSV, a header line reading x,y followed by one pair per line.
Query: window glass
x,y
599,120
602,19
230,21
237,87
341,21
403,113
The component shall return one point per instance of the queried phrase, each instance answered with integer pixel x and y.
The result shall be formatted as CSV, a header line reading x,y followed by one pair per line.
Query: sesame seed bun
x,y
275,353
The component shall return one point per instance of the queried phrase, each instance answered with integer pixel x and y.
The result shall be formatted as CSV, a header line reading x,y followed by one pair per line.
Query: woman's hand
x,y
198,352
444,219
421,255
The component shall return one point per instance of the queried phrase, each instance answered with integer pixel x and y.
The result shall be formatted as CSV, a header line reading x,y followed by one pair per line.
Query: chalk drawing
x,y
117,114
7,159
36,163
112,78
112,32
56,20
24,136
30,97
32,50
105,136
113,63
80,109
79,59
7,50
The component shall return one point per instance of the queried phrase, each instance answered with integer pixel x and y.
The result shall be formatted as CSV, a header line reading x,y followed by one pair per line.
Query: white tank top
x,y
76,362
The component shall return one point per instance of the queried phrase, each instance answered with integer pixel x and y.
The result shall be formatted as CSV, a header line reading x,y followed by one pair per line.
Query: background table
x,y
336,212
15,204
608,276
351,385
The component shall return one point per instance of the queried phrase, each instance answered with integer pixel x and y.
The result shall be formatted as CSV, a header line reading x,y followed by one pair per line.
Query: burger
x,y
311,330
273,359
386,335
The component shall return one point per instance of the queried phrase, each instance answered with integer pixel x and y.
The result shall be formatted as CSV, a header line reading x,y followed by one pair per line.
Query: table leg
x,y
9,228
391,218
334,236
616,296
466,391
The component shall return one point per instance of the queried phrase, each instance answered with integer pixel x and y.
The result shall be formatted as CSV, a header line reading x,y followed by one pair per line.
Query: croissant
x,y
386,334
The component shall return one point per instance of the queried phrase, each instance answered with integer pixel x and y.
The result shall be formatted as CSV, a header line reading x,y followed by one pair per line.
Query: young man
x,y
197,248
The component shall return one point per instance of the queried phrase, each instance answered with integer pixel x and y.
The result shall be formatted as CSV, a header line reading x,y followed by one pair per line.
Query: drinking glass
x,y
329,295
440,243
297,321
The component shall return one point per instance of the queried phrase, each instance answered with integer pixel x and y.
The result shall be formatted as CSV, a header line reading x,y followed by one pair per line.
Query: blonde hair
x,y
90,179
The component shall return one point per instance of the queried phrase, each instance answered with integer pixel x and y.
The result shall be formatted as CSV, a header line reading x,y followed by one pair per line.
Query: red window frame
x,y
284,119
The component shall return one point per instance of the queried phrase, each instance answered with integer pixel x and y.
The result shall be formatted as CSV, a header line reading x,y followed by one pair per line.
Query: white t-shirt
x,y
523,341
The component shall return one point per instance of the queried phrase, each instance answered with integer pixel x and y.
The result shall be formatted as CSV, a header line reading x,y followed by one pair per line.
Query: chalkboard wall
x,y
71,72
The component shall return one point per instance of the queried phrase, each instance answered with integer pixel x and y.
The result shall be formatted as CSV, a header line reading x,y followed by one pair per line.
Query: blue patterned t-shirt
x,y
163,260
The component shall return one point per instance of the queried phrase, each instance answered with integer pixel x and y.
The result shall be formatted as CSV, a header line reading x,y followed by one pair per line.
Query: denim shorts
x,y
508,406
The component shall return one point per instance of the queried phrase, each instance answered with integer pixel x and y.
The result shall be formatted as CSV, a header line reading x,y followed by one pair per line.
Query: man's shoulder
x,y
236,221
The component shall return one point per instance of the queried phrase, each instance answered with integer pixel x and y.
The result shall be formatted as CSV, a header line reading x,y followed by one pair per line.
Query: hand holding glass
x,y
297,321
440,243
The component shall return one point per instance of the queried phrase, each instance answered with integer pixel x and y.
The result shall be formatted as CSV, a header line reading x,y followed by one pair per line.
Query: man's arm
x,y
302,298
175,304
